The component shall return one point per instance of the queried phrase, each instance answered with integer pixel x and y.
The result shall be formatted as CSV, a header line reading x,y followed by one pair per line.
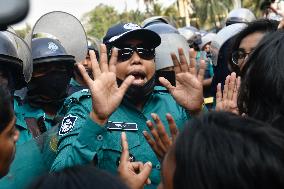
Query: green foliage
x,y
23,32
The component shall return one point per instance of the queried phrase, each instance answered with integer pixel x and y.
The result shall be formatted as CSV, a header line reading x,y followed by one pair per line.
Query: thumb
x,y
126,83
166,84
145,173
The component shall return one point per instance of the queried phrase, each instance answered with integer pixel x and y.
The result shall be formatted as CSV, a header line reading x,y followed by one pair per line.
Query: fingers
x,y
124,144
183,61
113,60
164,138
104,59
225,91
95,65
172,125
201,71
145,173
192,68
85,75
218,95
231,86
176,63
126,83
166,84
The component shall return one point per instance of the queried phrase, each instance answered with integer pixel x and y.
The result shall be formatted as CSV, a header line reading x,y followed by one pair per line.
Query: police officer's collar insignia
x,y
52,46
67,124
122,126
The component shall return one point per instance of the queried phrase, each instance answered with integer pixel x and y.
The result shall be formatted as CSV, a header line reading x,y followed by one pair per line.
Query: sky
x,y
76,7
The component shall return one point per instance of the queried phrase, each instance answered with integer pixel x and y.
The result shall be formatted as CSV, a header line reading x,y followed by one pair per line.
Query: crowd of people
x,y
151,106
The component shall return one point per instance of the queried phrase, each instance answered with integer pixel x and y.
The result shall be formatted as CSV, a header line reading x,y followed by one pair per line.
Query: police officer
x,y
123,98
54,56
15,61
240,15
77,83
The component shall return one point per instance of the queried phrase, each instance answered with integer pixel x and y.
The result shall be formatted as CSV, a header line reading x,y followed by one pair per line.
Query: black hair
x,y
221,150
261,92
262,25
85,177
6,108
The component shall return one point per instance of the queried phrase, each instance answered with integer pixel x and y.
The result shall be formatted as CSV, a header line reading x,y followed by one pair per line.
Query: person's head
x,y
136,53
223,150
261,92
52,72
8,133
240,15
87,177
14,68
247,40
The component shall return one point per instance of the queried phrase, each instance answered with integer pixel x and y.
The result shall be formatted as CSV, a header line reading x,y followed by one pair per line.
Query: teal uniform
x,y
82,141
31,122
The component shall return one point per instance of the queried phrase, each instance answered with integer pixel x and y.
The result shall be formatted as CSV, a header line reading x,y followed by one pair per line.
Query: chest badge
x,y
122,126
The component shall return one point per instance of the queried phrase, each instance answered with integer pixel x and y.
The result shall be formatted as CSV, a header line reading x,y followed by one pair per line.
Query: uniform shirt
x,y
82,141
28,118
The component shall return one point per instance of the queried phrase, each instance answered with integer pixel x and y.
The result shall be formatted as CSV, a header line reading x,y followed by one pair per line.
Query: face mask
x,y
136,93
50,89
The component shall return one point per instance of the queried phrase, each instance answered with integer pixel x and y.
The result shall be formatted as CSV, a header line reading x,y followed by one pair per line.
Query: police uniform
x,y
82,141
74,86
31,122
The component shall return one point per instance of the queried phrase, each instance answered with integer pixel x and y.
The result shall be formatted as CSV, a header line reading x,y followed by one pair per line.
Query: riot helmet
x,y
171,40
154,20
240,15
15,60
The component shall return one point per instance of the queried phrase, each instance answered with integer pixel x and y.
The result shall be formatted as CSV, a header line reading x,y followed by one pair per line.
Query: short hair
x,y
262,25
86,177
261,91
6,108
222,150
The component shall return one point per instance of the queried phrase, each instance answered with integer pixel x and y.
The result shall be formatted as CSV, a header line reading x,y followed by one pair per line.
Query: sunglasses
x,y
126,53
239,56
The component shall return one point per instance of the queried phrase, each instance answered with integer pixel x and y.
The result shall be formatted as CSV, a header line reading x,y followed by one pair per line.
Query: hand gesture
x,y
188,91
134,174
106,95
228,100
161,142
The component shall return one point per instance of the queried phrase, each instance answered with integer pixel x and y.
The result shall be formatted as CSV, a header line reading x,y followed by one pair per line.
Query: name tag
x,y
122,126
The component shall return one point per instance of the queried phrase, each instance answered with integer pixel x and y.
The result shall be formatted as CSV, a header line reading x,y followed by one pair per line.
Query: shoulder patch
x,y
67,124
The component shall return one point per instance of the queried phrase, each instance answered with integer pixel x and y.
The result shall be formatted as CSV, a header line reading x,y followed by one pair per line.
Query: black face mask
x,y
136,93
48,90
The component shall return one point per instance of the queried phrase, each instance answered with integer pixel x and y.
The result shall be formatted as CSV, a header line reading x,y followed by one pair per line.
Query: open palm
x,y
106,95
188,91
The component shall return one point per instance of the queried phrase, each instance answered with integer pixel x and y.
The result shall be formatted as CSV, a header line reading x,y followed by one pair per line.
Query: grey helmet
x,y
240,15
15,55
207,38
156,19
171,40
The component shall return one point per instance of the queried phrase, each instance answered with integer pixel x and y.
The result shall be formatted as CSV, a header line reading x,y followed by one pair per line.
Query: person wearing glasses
x,y
246,41
122,98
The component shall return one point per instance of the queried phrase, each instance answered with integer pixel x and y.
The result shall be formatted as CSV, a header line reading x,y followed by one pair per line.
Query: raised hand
x,y
161,141
188,91
227,101
106,95
134,174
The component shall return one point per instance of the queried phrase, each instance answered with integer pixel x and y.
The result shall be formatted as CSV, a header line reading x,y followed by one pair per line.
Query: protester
x,y
78,177
221,150
8,133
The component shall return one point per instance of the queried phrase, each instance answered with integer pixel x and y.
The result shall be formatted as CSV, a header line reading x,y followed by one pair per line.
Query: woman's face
x,y
247,46
8,139
168,170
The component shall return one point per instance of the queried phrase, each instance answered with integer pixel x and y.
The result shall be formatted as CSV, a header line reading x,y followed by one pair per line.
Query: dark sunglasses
x,y
239,55
127,52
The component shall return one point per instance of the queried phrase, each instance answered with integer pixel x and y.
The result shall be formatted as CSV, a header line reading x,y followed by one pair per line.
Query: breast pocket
x,y
112,148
